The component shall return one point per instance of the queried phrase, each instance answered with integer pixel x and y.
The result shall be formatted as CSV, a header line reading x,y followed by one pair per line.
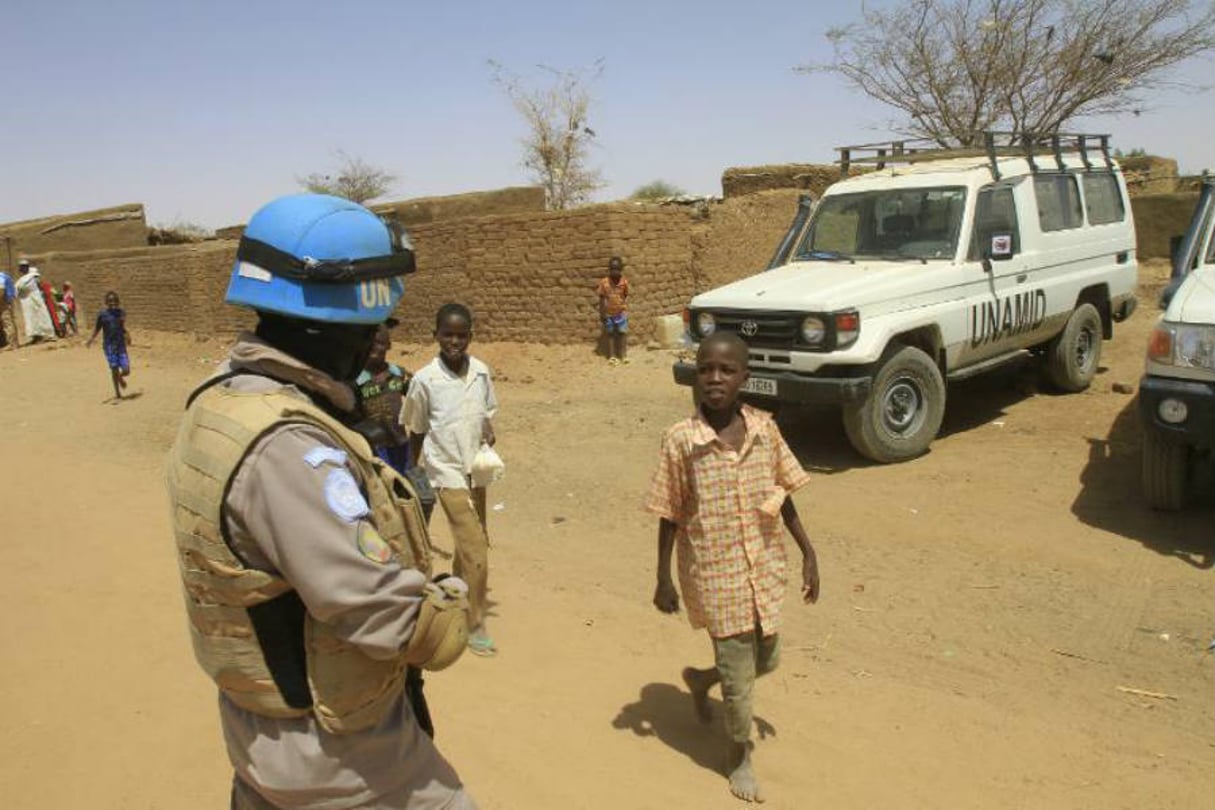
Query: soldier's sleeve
x,y
296,508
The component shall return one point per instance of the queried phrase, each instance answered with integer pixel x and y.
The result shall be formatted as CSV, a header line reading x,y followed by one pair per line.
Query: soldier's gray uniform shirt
x,y
279,519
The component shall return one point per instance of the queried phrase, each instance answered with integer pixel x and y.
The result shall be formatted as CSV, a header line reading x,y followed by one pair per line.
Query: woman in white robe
x,y
37,318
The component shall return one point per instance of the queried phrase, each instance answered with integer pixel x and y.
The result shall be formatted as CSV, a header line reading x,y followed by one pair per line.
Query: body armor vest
x,y
292,664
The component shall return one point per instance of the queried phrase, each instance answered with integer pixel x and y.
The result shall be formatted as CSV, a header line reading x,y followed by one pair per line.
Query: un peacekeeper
x,y
305,559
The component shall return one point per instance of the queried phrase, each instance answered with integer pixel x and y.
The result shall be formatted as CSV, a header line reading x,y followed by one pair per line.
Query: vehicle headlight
x,y
813,329
705,324
1184,345
1194,346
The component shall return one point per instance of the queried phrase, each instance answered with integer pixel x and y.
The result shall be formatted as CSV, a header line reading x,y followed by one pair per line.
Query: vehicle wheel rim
x,y
902,406
1084,349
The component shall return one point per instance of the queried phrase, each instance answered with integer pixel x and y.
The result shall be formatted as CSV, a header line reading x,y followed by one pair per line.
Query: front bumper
x,y
792,387
1198,429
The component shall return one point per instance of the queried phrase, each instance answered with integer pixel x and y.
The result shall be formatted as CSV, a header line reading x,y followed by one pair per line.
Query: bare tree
x,y
355,180
557,145
958,67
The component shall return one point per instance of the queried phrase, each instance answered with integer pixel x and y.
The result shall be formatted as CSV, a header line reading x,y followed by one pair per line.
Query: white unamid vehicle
x,y
1177,392
934,266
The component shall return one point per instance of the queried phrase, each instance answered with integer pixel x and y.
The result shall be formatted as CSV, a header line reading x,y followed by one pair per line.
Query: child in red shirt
x,y
613,291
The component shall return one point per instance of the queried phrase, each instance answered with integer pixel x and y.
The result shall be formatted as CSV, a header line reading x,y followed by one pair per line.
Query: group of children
x,y
431,425
721,493
58,312
46,312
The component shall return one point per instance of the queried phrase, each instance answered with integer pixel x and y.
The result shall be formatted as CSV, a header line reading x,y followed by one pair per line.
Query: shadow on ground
x,y
124,398
816,433
665,711
1111,499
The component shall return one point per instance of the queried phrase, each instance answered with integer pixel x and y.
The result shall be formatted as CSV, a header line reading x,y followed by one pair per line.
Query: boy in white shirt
x,y
448,412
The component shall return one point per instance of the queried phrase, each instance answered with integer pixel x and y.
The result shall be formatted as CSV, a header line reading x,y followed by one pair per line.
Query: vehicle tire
x,y
903,412
1073,356
1165,471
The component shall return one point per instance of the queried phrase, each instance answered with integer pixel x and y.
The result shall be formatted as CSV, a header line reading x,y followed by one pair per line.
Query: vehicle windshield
x,y
892,224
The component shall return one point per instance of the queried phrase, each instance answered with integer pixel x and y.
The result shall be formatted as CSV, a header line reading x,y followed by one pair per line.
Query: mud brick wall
x,y
421,210
513,200
532,277
528,277
122,226
1149,175
739,236
172,288
813,177
1159,218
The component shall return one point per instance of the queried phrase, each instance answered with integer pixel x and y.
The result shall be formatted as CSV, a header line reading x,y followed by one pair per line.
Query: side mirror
x,y
1170,289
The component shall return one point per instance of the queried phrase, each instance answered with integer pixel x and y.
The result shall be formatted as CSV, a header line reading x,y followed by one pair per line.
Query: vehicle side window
x,y
995,213
1058,202
1210,259
1102,199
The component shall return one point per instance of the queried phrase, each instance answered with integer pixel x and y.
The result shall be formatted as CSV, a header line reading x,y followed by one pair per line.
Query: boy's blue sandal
x,y
481,644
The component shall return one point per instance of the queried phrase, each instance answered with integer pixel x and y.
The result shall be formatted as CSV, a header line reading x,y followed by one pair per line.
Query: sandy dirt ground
x,y
981,605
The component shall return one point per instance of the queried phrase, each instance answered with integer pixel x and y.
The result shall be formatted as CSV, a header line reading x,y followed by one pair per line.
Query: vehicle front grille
x,y
760,329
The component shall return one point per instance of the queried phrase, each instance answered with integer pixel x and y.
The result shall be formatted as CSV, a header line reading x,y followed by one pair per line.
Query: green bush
x,y
657,190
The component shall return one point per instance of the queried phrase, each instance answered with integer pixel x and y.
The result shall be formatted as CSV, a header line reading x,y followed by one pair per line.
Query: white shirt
x,y
452,411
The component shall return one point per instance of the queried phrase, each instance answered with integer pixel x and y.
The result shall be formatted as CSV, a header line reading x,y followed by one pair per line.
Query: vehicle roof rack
x,y
1028,145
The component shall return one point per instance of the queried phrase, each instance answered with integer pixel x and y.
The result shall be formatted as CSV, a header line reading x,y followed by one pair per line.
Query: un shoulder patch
x,y
343,496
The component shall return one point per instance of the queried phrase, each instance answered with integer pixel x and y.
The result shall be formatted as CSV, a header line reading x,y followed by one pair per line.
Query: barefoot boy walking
x,y
720,492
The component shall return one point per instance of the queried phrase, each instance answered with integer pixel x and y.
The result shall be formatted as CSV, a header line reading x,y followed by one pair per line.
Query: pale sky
x,y
203,111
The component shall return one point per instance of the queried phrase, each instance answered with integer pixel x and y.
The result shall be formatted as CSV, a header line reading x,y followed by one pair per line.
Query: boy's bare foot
x,y
743,783
699,681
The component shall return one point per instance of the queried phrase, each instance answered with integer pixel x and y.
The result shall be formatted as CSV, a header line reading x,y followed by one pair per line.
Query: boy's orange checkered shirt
x,y
616,296
730,540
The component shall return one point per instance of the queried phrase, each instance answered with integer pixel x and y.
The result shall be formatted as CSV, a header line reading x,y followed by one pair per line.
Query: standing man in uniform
x,y
304,558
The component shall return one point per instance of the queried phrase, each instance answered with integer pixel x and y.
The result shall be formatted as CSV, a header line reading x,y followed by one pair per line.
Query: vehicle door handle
x,y
1122,257
1021,277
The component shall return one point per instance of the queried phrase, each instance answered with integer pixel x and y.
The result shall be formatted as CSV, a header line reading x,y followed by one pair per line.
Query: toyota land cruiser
x,y
936,265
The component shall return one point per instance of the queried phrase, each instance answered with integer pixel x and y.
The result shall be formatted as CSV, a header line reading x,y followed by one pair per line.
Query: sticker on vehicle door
x,y
1000,318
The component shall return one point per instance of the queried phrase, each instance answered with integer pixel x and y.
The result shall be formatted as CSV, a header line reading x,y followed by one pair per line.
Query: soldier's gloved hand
x,y
449,585
441,632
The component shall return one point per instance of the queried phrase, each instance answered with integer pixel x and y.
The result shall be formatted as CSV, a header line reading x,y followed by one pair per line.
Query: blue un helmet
x,y
321,258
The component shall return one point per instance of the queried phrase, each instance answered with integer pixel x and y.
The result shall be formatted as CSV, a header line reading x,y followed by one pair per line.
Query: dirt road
x,y
981,606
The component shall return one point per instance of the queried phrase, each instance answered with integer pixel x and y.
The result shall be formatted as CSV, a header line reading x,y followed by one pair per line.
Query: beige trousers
x,y
465,510
740,660
8,321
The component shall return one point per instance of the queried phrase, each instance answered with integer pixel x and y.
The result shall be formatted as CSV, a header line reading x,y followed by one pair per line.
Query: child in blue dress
x,y
112,324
